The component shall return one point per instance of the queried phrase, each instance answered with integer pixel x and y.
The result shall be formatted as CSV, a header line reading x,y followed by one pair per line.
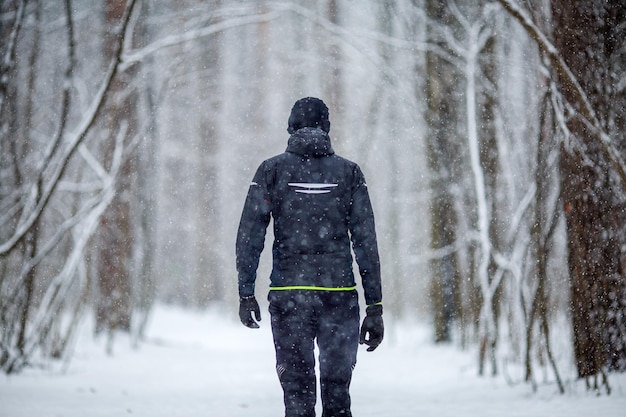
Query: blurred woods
x,y
491,135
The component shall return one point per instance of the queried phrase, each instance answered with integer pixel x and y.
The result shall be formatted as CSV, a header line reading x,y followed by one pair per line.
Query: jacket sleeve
x,y
251,233
364,243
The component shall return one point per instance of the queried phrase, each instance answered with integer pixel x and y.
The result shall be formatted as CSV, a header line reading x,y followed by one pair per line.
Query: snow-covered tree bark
x,y
478,106
443,162
45,233
477,38
590,37
115,234
587,62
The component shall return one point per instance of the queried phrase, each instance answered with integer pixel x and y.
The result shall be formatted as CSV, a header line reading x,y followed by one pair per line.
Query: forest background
x,y
491,134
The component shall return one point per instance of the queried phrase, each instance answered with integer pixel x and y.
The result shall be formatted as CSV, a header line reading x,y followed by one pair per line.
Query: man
x,y
320,204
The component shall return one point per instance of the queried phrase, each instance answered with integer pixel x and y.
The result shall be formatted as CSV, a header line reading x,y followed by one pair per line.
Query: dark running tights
x,y
298,319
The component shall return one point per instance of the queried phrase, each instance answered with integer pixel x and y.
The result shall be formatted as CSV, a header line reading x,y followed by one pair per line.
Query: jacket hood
x,y
308,112
310,141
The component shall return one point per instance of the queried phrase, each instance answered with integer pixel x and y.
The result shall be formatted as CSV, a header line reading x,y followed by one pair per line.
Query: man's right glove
x,y
372,325
247,306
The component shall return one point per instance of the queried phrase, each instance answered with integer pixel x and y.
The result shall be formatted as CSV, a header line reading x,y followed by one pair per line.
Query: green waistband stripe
x,y
312,288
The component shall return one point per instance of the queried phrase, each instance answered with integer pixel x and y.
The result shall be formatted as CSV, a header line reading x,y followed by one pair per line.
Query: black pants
x,y
298,318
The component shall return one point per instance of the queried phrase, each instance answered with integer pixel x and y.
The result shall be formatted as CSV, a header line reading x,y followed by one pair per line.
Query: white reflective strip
x,y
280,370
311,185
253,183
313,191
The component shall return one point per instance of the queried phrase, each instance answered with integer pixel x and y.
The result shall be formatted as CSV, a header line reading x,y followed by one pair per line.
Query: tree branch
x,y
73,142
8,60
557,62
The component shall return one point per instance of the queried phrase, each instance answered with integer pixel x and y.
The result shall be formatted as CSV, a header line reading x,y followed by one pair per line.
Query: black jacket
x,y
319,203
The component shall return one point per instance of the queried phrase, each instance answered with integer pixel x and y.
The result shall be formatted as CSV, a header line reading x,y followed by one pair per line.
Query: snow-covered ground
x,y
206,364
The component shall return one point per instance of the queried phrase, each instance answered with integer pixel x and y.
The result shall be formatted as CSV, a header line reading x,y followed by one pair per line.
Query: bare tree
x,y
46,170
587,62
443,149
545,219
469,42
593,192
115,235
209,285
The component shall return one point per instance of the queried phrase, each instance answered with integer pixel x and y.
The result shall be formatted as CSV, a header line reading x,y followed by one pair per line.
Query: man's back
x,y
318,201
311,198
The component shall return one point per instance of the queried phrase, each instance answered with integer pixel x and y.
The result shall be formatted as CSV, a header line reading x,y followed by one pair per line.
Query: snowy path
x,y
204,365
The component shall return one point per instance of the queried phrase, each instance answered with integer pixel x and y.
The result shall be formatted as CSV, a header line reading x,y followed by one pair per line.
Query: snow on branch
x,y
73,141
350,39
7,59
560,66
168,41
57,291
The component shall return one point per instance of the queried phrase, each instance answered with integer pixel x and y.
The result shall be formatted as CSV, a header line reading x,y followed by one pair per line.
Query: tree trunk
x,y
209,280
442,150
333,73
115,235
589,36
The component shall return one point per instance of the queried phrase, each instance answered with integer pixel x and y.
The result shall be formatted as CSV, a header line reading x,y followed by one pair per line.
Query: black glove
x,y
373,324
247,306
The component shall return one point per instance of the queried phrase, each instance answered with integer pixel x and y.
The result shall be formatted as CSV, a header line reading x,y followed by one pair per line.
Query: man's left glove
x,y
373,325
247,306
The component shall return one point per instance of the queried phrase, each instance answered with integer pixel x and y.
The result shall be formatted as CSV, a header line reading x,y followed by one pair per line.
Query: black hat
x,y
309,112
